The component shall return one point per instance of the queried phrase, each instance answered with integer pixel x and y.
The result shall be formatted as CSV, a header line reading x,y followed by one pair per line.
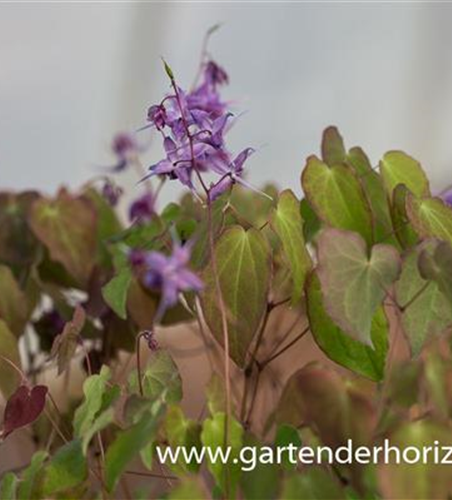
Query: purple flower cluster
x,y
193,125
167,274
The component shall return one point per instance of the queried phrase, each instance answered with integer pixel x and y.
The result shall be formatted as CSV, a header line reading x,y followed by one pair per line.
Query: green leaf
x,y
243,267
333,149
340,347
9,377
161,378
287,223
13,302
187,489
216,394
94,388
28,485
181,431
67,226
127,446
429,314
430,217
116,290
354,283
402,227
213,437
337,197
287,435
259,481
312,223
67,469
313,484
417,481
376,195
102,421
8,486
437,266
397,167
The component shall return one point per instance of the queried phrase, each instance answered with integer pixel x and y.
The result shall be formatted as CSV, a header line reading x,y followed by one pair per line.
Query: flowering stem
x,y
139,374
224,323
190,138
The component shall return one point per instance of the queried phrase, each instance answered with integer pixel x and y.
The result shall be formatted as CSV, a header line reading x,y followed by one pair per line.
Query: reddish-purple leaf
x,y
23,407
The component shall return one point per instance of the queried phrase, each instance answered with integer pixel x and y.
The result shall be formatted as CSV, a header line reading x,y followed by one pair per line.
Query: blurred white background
x,y
71,75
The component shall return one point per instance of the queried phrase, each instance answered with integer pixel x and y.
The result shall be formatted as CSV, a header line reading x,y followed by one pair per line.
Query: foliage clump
x,y
363,263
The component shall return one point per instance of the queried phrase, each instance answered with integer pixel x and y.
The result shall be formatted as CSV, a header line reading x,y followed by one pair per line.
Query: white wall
x,y
72,74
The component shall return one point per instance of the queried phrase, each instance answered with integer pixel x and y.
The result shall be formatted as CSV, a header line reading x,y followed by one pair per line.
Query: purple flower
x,y
215,74
142,209
125,148
447,196
157,116
167,274
111,192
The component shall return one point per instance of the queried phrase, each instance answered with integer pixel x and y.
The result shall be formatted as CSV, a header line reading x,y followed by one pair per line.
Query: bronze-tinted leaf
x,y
243,266
317,396
65,344
13,302
18,245
67,226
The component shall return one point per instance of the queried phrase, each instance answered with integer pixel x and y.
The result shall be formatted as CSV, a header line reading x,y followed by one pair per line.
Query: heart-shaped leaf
x,y
161,379
399,168
354,283
65,343
428,313
340,347
437,266
337,196
243,266
319,397
23,407
287,223
67,226
430,217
